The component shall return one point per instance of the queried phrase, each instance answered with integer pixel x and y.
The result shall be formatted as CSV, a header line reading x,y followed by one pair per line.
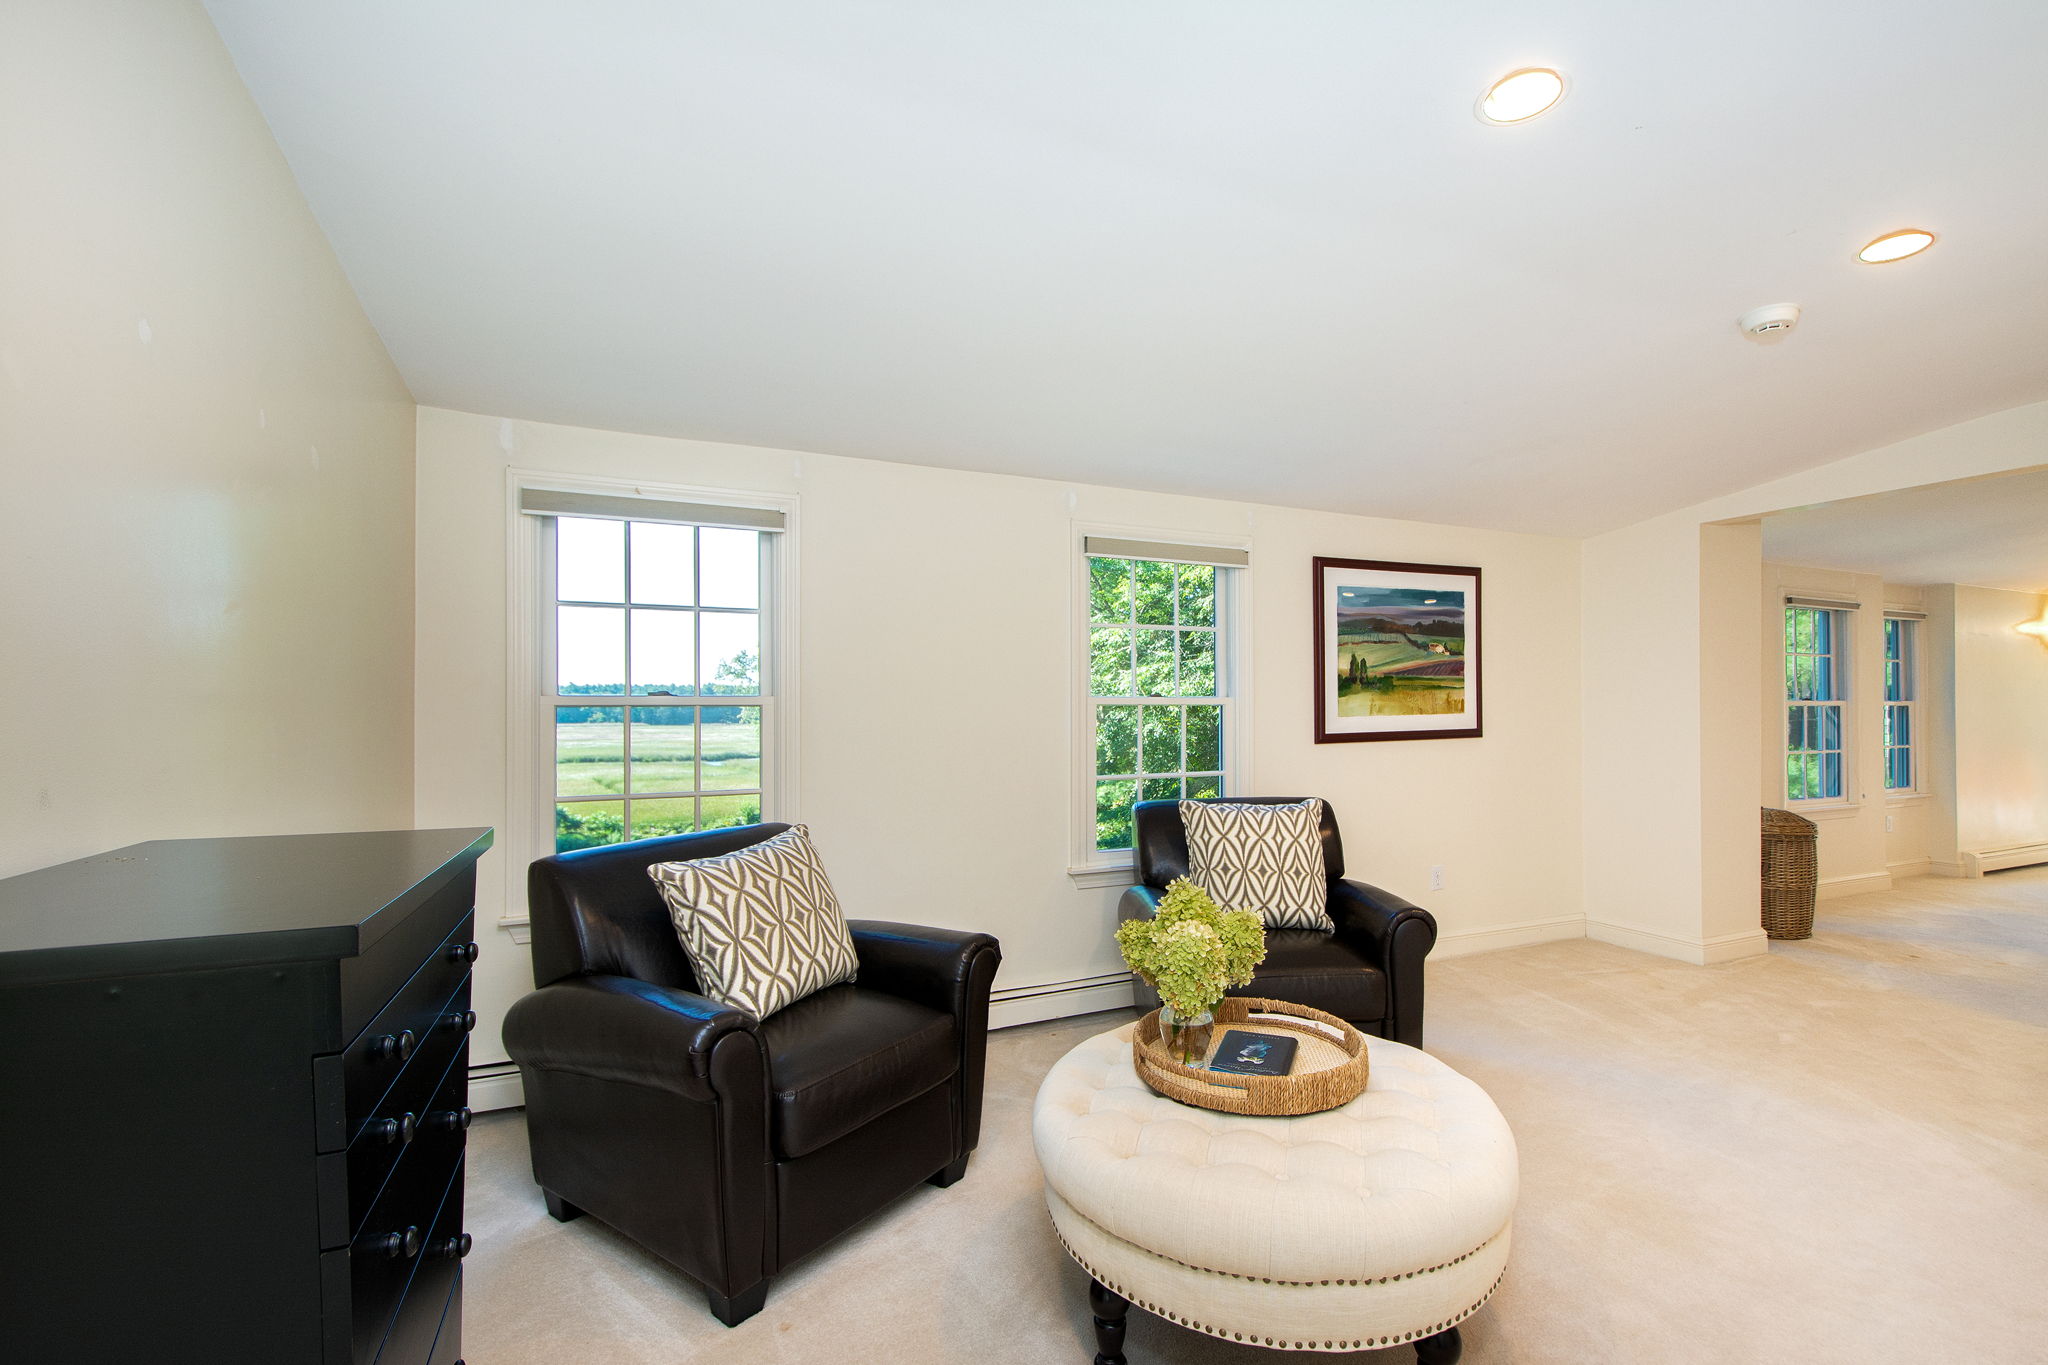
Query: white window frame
x,y
1843,655
529,628
1913,678
1093,867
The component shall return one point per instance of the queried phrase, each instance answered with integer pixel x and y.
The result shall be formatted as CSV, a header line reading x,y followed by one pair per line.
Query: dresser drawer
x,y
394,1243
448,1344
419,1319
371,978
375,1057
425,1110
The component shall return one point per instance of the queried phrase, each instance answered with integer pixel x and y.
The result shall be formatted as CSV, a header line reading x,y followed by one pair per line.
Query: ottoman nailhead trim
x,y
1285,1345
1311,1284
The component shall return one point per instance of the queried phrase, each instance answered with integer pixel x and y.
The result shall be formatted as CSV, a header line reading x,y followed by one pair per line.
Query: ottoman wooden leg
x,y
1109,1308
1442,1349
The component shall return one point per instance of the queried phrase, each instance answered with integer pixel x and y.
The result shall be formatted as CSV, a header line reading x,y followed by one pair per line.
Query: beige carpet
x,y
1838,1152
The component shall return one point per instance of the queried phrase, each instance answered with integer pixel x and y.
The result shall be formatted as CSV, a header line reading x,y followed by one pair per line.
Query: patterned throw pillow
x,y
760,924
1267,859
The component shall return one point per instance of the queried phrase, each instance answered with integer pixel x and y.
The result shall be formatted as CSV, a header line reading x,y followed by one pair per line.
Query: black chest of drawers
x,y
233,1101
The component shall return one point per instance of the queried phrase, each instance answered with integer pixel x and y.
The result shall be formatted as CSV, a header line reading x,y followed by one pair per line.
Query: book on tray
x,y
1245,1053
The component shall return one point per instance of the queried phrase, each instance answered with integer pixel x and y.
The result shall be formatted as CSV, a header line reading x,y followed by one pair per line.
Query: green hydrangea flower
x,y
1190,951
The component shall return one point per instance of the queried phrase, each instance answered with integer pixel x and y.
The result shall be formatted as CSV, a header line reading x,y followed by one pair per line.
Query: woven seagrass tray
x,y
1330,1063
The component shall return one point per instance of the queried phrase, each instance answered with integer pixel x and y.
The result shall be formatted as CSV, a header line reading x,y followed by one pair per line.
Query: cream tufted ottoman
x,y
1381,1222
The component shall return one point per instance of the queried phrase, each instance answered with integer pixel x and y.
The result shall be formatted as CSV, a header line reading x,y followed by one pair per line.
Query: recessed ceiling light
x,y
1521,95
1896,246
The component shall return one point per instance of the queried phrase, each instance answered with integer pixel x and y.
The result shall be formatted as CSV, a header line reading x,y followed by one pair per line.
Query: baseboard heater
x,y
2019,855
1050,988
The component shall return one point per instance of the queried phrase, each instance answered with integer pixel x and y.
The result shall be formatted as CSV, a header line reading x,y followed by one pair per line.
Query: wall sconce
x,y
2037,629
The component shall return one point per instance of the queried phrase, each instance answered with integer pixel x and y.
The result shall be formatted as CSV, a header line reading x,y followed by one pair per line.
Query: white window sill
x,y
1905,798
1095,875
1847,810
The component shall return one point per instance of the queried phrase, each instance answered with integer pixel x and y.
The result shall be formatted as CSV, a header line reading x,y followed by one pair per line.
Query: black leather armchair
x,y
727,1145
1369,971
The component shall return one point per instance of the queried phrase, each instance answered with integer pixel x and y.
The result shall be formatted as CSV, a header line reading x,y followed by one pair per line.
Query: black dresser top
x,y
183,904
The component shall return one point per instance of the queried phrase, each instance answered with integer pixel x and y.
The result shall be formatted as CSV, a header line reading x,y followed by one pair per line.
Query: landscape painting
x,y
1397,650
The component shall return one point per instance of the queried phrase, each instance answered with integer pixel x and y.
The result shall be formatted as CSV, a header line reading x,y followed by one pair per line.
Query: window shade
x,y
1824,603
550,502
1166,552
1904,614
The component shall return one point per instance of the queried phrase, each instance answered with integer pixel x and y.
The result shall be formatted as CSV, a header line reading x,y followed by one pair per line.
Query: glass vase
x,y
1186,1039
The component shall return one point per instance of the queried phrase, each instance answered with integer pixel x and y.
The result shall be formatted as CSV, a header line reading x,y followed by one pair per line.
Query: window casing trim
x,y
529,810
1091,867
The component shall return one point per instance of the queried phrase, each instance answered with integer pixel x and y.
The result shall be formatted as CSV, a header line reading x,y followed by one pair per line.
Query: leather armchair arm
x,y
947,970
1138,902
1398,936
934,967
615,1028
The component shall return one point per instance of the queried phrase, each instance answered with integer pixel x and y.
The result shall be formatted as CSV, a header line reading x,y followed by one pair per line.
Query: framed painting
x,y
1396,651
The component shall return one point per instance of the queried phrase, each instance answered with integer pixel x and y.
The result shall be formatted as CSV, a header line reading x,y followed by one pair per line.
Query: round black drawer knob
x,y
399,1130
462,952
449,1120
399,1246
450,1248
393,1047
462,1021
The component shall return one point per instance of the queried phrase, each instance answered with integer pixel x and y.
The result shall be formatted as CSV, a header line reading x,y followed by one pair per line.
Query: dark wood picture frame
x,y
1325,634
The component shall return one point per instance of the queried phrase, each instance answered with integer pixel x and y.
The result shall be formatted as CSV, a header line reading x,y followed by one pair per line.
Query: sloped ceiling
x,y
1262,251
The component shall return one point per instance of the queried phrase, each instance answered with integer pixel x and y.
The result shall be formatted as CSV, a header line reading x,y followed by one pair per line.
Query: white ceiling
x,y
1262,251
1990,532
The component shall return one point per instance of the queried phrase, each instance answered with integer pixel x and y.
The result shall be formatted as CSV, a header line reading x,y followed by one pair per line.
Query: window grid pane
x,y
654,769
1814,744
1155,638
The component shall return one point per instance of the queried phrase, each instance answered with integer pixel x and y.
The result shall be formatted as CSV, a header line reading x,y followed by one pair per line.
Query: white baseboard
x,y
1464,942
1733,947
1016,1005
1999,859
1858,884
495,1086
1912,867
1701,953
1964,866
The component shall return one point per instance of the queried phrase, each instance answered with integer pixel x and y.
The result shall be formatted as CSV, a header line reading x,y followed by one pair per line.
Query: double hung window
x,y
657,681
1901,693
1160,693
1815,689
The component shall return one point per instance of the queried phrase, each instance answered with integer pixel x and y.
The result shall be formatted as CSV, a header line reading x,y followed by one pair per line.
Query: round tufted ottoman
x,y
1380,1222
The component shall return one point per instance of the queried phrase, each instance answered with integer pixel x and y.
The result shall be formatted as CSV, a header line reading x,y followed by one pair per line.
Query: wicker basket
x,y
1331,1063
1791,874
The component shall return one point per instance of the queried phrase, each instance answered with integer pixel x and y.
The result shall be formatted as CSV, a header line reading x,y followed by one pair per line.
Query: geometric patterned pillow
x,y
1266,859
760,924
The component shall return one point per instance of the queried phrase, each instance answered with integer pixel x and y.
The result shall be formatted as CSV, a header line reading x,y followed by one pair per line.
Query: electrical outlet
x,y
1436,879
1891,824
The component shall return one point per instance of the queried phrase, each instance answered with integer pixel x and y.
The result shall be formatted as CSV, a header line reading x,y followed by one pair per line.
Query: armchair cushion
x,y
846,1056
760,924
1320,970
1260,857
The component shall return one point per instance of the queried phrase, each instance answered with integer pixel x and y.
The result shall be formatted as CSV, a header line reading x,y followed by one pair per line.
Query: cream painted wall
x,y
959,813
2001,722
1668,828
207,613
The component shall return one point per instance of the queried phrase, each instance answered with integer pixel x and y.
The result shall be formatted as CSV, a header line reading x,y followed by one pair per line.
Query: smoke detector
x,y
1770,323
